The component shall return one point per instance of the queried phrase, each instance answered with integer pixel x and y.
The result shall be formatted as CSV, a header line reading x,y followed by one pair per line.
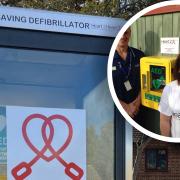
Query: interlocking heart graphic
x,y
55,154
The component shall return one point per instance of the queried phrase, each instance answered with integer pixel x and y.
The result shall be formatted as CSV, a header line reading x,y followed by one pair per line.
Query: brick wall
x,y
173,151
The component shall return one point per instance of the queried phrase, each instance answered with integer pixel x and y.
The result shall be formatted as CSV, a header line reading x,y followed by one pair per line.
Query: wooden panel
x,y
157,34
176,25
134,36
147,31
141,34
149,40
167,29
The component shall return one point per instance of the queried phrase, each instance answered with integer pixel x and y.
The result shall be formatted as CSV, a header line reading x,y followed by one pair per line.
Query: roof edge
x,y
164,10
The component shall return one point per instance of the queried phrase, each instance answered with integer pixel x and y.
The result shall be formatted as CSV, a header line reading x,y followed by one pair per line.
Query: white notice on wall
x,y
46,143
170,45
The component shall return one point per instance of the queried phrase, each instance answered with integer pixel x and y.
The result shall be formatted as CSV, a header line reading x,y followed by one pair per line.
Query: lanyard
x,y
127,73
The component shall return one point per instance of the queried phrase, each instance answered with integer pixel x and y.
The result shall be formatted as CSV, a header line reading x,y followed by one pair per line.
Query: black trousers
x,y
140,117
149,119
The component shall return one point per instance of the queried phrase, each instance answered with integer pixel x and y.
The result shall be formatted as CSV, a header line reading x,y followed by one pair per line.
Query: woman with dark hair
x,y
169,106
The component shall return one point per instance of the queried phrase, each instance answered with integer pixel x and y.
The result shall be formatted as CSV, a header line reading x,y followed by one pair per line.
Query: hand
x,y
126,107
137,103
133,108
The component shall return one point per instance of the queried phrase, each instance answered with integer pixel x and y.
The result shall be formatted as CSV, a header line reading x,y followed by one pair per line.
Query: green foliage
x,y
31,4
113,8
128,8
99,8
64,6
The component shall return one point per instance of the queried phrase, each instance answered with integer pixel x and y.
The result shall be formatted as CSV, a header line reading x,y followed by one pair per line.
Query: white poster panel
x,y
46,143
43,20
170,45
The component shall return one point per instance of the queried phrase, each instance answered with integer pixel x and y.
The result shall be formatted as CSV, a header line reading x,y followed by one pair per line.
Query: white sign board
x,y
59,22
170,45
45,143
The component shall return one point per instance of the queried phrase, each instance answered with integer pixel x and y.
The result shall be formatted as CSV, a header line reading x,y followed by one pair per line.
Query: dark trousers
x,y
149,119
140,117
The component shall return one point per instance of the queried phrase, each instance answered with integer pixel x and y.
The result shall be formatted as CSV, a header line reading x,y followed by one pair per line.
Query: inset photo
x,y
144,71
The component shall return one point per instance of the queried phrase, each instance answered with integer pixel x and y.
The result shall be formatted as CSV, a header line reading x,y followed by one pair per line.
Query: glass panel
x,y
162,159
100,133
151,158
158,77
64,80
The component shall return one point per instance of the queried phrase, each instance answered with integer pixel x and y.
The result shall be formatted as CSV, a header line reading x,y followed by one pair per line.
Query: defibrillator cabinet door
x,y
36,78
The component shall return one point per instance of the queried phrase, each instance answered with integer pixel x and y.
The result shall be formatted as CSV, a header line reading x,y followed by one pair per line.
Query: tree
x,y
56,5
128,8
113,8
141,144
9,2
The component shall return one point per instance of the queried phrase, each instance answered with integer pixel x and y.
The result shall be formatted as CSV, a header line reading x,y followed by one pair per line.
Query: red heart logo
x,y
47,139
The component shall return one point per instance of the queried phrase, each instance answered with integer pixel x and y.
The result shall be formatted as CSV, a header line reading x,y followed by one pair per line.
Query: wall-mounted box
x,y
156,72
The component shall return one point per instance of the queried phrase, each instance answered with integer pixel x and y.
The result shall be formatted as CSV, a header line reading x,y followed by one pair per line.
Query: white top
x,y
170,106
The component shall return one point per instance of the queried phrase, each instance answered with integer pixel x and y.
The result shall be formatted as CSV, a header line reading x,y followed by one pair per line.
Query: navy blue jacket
x,y
127,70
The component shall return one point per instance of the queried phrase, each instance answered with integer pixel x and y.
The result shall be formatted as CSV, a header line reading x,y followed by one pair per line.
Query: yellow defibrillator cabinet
x,y
156,72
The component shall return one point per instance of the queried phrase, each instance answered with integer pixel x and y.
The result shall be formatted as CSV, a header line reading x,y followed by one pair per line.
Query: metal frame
x,y
30,39
119,145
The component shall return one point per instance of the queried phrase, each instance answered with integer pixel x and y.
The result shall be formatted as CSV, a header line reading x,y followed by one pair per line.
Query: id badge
x,y
127,85
114,68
